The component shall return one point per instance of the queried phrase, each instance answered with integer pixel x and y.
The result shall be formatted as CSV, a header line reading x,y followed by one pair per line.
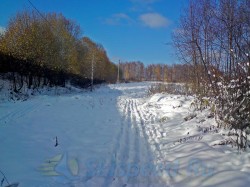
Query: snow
x,y
117,135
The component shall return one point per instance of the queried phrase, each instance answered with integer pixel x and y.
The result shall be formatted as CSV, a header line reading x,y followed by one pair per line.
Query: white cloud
x,y
2,30
119,19
154,20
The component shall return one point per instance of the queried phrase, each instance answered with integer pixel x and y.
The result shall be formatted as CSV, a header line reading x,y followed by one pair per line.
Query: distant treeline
x,y
43,50
137,71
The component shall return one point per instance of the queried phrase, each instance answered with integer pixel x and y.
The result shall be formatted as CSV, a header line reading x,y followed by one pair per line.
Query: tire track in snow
x,y
136,133
130,146
135,153
126,149
142,127
139,153
120,149
145,149
133,146
131,150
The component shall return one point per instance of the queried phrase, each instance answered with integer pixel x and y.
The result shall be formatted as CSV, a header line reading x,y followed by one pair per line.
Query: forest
x,y
48,50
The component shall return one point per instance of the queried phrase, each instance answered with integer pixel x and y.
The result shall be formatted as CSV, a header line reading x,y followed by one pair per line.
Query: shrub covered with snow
x,y
233,108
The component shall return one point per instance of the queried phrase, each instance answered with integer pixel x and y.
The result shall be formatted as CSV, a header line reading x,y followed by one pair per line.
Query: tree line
x,y
213,38
48,49
137,71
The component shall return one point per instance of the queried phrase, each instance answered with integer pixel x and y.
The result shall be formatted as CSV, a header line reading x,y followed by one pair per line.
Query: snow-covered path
x,y
99,137
115,136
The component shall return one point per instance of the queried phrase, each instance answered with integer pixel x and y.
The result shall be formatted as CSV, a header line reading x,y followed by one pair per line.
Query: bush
x,y
233,108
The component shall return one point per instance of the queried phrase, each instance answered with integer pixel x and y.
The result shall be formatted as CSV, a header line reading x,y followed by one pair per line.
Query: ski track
x,y
132,146
117,148
144,149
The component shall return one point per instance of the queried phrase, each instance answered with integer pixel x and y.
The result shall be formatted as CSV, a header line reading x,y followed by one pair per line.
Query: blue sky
x,y
130,30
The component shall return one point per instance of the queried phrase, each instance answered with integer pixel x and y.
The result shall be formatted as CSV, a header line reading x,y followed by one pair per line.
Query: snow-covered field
x,y
115,136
